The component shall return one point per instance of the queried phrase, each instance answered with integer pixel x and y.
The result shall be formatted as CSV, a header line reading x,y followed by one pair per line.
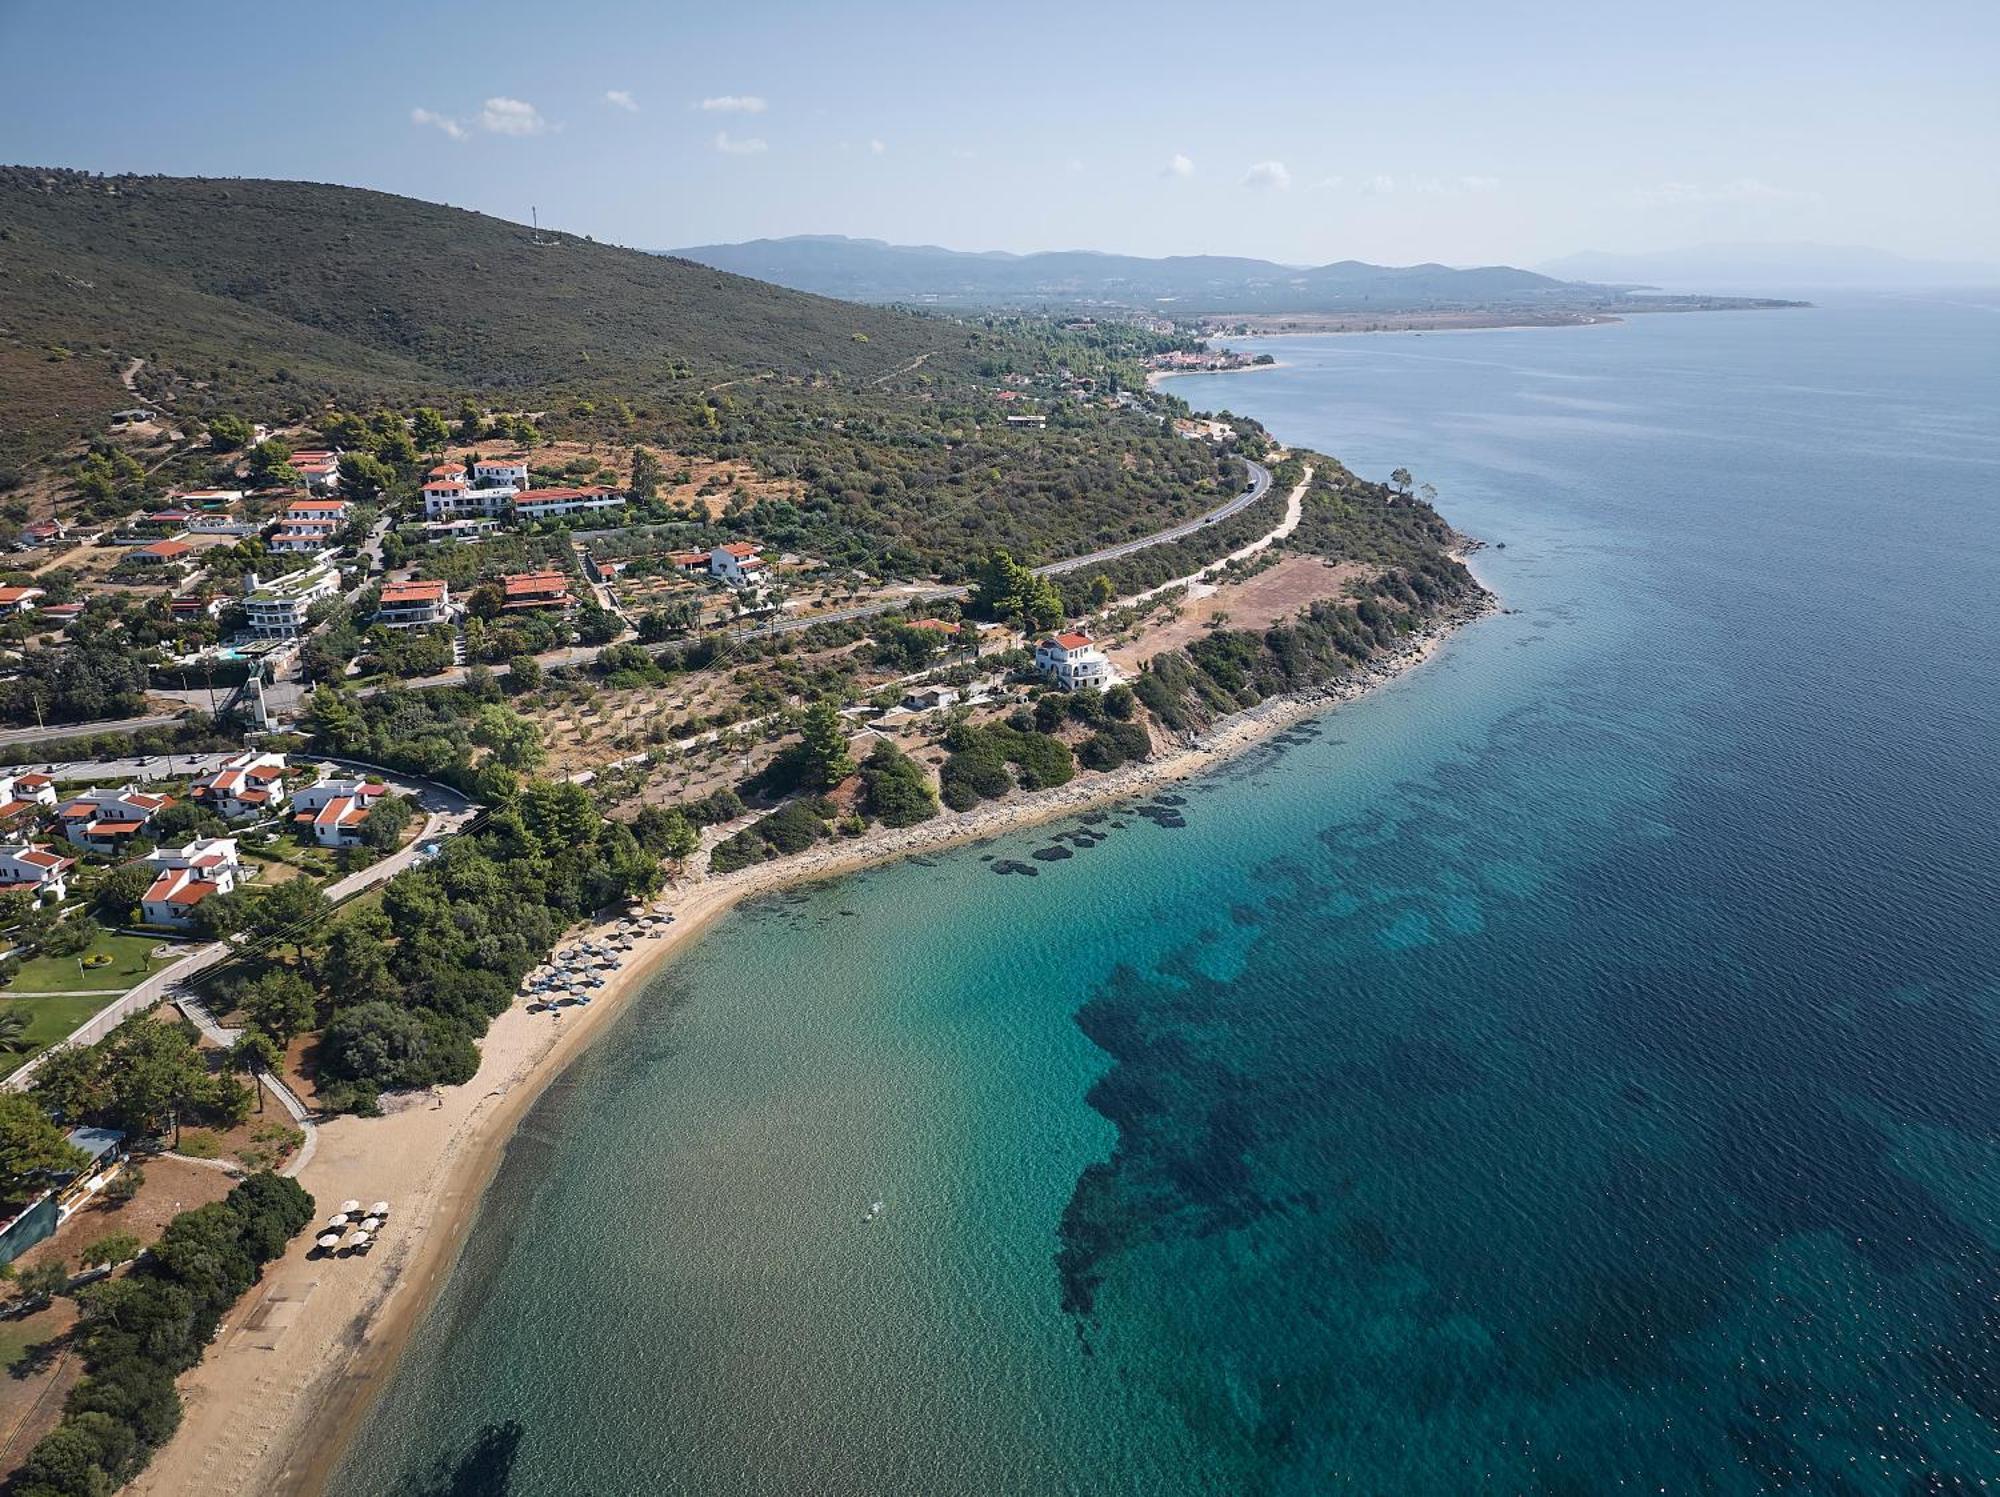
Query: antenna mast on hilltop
x,y
535,218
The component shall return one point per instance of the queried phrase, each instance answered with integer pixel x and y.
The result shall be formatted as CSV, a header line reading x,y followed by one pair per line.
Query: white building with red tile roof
x,y
447,495
737,563
525,590
1072,660
24,797
15,600
162,553
318,467
544,504
185,876
414,604
107,820
250,784
500,472
334,810
31,868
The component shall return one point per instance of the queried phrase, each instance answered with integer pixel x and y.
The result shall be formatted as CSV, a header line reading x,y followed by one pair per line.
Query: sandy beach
x,y
294,1368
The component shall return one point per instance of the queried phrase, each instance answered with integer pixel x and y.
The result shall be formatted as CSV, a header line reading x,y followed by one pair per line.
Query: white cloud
x,y
1180,166
1328,184
1274,175
1381,185
504,116
442,122
731,145
1480,184
876,148
733,104
621,98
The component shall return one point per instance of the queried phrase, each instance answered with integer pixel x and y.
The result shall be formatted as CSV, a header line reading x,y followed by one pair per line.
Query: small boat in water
x,y
874,1211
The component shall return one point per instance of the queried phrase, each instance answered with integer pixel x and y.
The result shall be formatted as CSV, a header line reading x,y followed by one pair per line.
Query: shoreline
x,y
281,1417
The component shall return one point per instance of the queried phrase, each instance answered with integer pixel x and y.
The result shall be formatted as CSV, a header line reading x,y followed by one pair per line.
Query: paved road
x,y
124,771
1260,483
84,730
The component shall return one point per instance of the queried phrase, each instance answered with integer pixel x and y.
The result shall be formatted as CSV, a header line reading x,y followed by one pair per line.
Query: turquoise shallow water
x,y
1571,1070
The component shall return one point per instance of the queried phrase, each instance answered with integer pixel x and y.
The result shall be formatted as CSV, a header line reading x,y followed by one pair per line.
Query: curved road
x,y
1260,484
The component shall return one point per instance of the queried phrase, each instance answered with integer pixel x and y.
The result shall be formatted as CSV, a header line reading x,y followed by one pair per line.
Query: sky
x,y
1469,133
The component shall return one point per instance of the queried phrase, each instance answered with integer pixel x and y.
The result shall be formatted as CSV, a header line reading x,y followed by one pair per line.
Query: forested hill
x,y
233,290
870,270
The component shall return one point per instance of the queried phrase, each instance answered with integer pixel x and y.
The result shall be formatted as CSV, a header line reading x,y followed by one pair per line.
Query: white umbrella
x,y
348,1208
357,1239
330,1240
371,1224
337,1222
380,1208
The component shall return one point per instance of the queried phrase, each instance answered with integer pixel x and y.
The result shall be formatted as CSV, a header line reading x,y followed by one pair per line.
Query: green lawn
x,y
50,1021
60,974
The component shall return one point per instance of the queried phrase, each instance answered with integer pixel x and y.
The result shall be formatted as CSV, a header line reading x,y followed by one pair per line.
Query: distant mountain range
x,y
1791,266
871,270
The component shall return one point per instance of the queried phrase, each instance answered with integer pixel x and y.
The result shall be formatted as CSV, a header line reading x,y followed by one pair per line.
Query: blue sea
x,y
1574,1069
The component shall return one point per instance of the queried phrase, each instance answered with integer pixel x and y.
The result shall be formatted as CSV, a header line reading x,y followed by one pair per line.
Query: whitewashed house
x,y
31,868
185,876
1073,661
106,821
500,472
250,784
737,564
334,810
278,608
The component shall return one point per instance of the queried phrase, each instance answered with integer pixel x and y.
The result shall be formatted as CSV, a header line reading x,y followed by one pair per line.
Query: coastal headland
x,y
341,1323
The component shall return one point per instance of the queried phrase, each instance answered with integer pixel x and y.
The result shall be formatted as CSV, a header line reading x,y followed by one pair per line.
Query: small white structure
x,y
1073,661
335,809
925,698
15,600
31,868
185,876
737,564
250,784
278,608
106,820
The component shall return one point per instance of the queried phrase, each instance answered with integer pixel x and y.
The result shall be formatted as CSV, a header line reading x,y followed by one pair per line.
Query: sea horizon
x,y
1558,1069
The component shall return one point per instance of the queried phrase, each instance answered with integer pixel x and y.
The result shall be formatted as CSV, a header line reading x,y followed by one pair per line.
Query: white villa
x,y
447,496
185,876
1073,661
105,820
30,868
414,604
500,472
335,809
737,564
278,608
250,784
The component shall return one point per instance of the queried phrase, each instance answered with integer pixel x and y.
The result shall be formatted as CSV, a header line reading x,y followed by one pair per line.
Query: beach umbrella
x,y
330,1241
337,1222
371,1224
348,1208
357,1239
380,1208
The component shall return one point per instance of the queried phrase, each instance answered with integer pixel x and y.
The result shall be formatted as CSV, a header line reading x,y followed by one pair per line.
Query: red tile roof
x,y
1073,641
413,591
166,550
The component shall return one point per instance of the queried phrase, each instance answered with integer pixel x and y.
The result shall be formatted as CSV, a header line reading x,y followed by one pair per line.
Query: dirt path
x,y
913,364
